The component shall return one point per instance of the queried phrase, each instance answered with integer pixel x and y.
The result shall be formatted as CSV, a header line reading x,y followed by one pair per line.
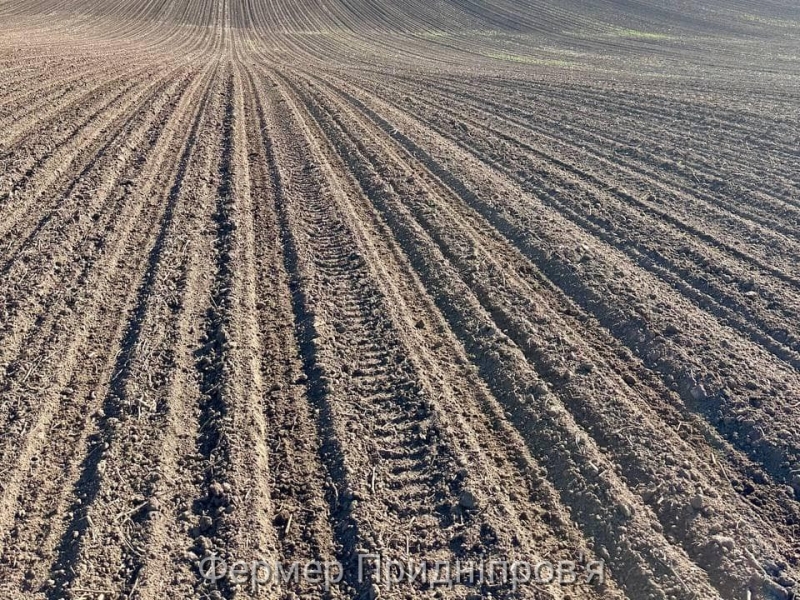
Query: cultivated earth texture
x,y
445,280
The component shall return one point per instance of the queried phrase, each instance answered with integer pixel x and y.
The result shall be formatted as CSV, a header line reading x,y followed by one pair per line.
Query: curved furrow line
x,y
486,275
49,162
21,162
691,176
653,166
659,106
677,180
551,434
635,105
631,312
737,298
495,287
82,371
109,80
33,284
675,126
727,292
31,102
730,294
35,180
71,177
17,88
724,172
58,275
642,207
143,458
53,258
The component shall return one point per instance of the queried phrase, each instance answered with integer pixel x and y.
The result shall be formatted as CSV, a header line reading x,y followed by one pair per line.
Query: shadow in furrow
x,y
96,156
331,451
212,357
88,485
633,332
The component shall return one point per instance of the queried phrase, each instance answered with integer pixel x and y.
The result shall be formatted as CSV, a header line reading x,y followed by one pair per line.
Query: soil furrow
x,y
106,191
135,421
373,300
575,371
478,534
298,481
612,148
583,273
95,372
728,291
84,142
514,382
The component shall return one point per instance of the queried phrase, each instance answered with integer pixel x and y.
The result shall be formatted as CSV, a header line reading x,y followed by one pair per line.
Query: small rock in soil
x,y
727,543
699,392
468,500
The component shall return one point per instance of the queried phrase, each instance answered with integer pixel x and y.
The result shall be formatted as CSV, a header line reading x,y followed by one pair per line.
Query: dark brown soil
x,y
447,281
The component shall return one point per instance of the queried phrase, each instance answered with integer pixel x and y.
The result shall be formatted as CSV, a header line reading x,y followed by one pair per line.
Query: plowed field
x,y
453,283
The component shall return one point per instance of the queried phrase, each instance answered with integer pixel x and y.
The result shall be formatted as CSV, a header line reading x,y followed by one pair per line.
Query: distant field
x,y
447,281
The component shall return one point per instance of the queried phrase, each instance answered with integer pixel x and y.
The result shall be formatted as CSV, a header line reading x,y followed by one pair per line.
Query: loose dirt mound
x,y
504,292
